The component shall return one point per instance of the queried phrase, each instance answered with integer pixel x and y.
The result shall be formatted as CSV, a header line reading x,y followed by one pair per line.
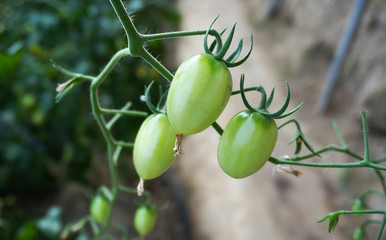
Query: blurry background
x,y
52,156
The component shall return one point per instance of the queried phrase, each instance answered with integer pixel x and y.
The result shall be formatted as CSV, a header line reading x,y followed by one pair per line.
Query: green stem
x,y
325,149
117,116
97,112
167,35
217,128
248,89
123,144
371,211
366,137
379,160
127,189
94,226
124,112
110,65
382,180
131,32
327,165
150,59
382,227
338,134
369,191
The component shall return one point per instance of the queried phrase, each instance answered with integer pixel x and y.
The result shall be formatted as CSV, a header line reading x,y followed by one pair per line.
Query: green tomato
x,y
144,220
198,94
246,143
99,209
359,234
358,205
153,147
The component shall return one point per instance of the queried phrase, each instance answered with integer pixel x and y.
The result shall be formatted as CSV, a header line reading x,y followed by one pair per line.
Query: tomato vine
x,y
136,48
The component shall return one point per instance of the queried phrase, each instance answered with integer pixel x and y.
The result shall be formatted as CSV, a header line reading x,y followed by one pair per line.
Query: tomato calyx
x,y
221,49
265,103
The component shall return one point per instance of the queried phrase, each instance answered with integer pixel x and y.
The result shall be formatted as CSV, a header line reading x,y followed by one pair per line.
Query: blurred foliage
x,y
43,143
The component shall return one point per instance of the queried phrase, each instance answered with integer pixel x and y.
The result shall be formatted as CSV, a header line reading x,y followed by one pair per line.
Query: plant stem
x,y
124,112
131,32
150,59
245,90
365,137
371,211
217,127
167,35
292,161
325,149
382,227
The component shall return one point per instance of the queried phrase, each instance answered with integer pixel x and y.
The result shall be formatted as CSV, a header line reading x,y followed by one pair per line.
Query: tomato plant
x,y
144,219
99,208
201,82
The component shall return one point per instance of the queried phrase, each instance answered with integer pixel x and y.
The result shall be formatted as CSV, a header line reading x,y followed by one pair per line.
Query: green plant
x,y
136,43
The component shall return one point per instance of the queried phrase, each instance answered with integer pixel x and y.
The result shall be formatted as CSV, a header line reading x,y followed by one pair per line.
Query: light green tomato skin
x,y
153,147
99,209
246,144
198,94
144,220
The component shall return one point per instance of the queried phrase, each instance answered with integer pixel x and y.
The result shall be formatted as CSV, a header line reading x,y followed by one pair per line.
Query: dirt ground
x,y
297,46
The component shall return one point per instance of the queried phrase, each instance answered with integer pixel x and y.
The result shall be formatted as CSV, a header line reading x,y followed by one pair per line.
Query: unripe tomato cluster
x,y
198,94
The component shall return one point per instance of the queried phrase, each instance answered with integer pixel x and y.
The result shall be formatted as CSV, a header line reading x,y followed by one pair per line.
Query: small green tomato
x,y
359,234
246,143
358,205
198,93
144,220
153,147
99,209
